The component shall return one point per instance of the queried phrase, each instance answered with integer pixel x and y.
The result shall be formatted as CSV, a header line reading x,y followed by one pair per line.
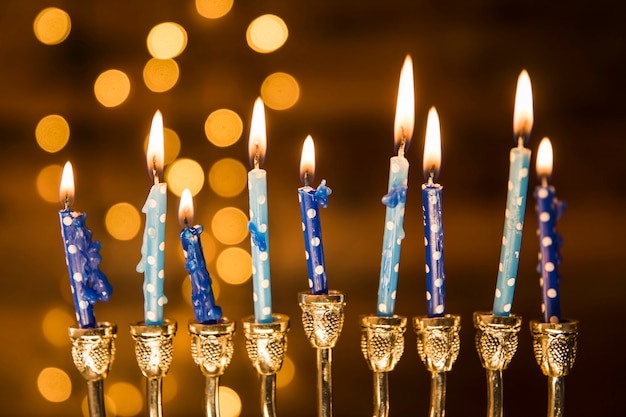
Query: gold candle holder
x,y
438,345
154,351
555,346
266,345
322,319
382,345
93,350
212,350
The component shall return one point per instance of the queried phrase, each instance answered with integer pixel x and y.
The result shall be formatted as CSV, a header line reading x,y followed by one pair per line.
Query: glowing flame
x,y
66,190
154,156
545,158
257,143
405,107
523,113
432,145
307,161
185,208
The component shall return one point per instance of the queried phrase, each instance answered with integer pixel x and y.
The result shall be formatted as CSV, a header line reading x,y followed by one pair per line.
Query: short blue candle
x,y
82,256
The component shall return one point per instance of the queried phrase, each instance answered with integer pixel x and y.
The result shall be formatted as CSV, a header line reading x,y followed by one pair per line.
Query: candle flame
x,y
523,112
66,190
432,146
405,107
545,157
257,143
154,155
307,161
185,208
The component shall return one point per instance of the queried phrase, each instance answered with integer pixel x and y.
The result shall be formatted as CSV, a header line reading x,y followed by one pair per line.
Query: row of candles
x,y
89,284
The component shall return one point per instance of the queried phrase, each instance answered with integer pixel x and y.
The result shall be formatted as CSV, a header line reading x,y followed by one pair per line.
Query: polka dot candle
x,y
311,199
153,247
516,200
82,256
259,240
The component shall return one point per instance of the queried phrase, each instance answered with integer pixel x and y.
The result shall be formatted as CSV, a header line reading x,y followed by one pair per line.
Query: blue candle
x,y
549,211
202,297
516,199
396,195
153,247
433,224
311,199
82,256
259,240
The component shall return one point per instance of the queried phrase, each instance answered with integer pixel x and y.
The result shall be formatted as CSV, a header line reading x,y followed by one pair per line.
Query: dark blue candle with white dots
x,y
433,241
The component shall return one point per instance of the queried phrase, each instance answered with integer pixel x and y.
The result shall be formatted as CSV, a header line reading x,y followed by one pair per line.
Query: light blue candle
x,y
396,196
153,247
516,199
258,224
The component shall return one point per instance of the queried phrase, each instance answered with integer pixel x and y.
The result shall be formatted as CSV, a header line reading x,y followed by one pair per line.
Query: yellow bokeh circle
x,y
185,173
123,221
234,265
160,75
227,177
112,88
266,33
280,91
127,398
213,9
54,385
52,26
223,127
54,326
286,373
52,133
230,225
48,181
230,402
167,40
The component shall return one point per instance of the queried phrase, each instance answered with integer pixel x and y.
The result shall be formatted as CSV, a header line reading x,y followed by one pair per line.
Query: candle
x,y
153,247
516,198
310,200
202,297
433,226
259,241
396,196
549,211
82,256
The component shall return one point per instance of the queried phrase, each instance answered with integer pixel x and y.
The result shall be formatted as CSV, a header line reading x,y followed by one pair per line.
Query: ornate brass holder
x,y
93,351
382,345
555,346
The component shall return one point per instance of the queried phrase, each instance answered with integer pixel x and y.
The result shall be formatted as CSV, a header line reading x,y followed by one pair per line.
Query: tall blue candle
x,y
549,211
516,199
396,196
433,219
202,297
259,240
153,247
82,256
311,199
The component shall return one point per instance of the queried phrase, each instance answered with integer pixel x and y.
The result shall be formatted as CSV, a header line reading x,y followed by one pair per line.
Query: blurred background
x,y
80,81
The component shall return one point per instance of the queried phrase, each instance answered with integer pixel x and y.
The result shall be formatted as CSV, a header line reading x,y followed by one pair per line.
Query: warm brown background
x,y
346,57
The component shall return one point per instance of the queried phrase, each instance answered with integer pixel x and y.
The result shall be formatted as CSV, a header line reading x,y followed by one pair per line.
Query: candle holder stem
x,y
324,381
437,394
494,393
556,396
95,398
268,395
381,394
211,396
154,390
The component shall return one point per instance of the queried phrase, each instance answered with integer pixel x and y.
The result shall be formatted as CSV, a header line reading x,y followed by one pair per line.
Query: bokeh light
x,y
112,88
52,133
126,397
54,385
167,40
234,265
286,373
123,221
213,9
52,26
230,402
230,225
54,326
280,91
48,181
223,127
184,173
185,288
227,177
266,33
160,75
171,145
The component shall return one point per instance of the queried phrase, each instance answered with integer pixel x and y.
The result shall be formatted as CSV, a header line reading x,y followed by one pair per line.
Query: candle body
x,y
311,200
153,254
433,241
512,235
259,242
82,256
549,211
394,233
202,297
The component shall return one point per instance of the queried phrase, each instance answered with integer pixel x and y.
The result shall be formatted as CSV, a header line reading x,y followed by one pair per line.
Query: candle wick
x,y
155,173
306,178
544,180
67,201
185,221
402,144
520,141
256,157
431,176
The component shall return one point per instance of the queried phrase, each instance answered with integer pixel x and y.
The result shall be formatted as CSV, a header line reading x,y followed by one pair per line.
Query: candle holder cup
x,y
555,346
382,345
266,345
93,351
322,320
